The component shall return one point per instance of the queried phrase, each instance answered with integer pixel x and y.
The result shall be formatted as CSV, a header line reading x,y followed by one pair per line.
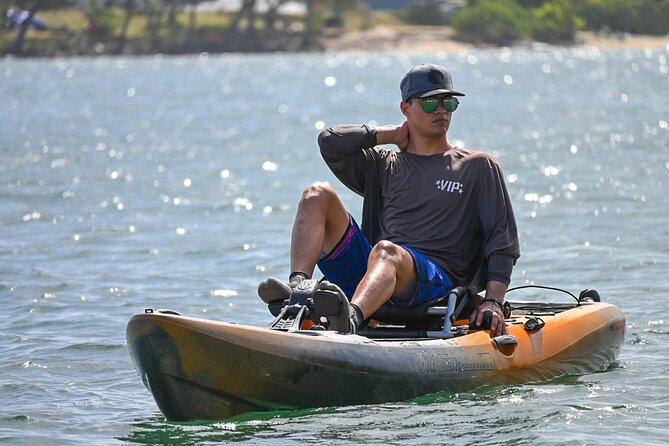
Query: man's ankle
x,y
357,318
296,277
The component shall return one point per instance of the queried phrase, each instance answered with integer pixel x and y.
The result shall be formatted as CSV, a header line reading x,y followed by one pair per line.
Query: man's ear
x,y
404,107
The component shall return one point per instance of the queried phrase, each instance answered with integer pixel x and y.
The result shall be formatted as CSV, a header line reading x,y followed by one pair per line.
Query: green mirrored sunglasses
x,y
429,105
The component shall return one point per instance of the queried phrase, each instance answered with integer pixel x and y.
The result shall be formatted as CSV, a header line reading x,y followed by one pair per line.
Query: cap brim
x,y
440,91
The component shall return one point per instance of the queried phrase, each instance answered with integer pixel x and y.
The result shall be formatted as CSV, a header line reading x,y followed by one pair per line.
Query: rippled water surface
x,y
172,183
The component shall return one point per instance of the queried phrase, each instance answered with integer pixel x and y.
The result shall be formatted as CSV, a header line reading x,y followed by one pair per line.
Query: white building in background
x,y
298,8
294,8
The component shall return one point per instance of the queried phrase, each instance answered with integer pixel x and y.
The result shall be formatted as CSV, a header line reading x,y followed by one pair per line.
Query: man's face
x,y
430,116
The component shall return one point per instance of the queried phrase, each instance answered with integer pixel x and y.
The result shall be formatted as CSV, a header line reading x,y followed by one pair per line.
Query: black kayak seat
x,y
430,315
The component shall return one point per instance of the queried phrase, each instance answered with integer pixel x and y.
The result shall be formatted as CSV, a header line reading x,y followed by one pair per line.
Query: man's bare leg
x,y
390,273
321,221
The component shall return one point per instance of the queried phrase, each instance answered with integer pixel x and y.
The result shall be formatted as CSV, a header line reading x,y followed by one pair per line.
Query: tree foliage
x,y
555,21
32,7
427,13
498,21
494,21
141,26
170,26
635,16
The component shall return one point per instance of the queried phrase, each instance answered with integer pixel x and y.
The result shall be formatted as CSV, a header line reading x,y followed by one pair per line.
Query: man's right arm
x,y
348,152
345,140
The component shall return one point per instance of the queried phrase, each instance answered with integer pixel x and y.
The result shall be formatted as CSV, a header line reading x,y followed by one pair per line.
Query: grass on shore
x,y
67,28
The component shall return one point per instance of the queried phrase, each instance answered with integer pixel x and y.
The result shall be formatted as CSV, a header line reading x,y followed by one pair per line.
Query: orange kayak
x,y
204,369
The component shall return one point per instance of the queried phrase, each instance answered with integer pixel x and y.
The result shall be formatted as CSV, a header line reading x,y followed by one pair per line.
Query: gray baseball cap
x,y
427,80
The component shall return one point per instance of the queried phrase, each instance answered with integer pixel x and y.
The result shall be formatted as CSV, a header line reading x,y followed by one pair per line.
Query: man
x,y
435,216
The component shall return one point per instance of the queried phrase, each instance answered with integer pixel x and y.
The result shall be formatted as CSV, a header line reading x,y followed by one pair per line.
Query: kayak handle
x,y
448,311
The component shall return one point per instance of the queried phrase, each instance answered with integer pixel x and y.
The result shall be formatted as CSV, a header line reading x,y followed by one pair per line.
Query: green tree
x,y
426,13
492,21
531,3
33,7
102,20
555,21
310,30
129,8
4,8
247,11
637,16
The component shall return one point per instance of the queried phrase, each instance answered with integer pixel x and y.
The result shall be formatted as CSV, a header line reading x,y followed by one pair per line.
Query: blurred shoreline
x,y
425,39
382,38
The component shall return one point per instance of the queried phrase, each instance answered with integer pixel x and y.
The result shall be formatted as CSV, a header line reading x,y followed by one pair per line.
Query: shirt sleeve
x,y
348,150
500,235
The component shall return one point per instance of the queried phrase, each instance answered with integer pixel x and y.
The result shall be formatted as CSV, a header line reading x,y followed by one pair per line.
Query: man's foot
x,y
331,302
272,289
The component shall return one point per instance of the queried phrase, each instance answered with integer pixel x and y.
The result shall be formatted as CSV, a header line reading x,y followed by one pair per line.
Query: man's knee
x,y
320,197
387,251
317,192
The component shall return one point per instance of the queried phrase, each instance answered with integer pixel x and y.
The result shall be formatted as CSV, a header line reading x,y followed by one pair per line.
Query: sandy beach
x,y
423,39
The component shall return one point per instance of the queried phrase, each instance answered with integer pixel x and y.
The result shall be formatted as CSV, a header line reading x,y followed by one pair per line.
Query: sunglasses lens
x,y
451,104
430,104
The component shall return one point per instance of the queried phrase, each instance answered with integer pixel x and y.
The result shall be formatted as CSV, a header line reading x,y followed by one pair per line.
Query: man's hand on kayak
x,y
393,134
497,324
495,291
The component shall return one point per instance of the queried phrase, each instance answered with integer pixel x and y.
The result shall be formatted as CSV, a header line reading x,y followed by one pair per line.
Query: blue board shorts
x,y
346,265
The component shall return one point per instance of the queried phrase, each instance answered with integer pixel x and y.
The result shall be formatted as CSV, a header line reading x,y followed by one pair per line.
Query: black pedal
x,y
326,303
303,291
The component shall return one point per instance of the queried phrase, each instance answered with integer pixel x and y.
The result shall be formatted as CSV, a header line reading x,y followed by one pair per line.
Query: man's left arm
x,y
501,246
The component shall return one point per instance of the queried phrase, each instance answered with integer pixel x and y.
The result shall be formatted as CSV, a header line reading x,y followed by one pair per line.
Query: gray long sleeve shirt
x,y
453,207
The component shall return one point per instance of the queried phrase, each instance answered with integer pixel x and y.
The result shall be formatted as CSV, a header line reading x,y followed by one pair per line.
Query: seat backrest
x,y
420,317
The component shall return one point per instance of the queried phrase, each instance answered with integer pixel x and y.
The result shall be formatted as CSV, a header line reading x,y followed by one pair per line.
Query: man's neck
x,y
429,146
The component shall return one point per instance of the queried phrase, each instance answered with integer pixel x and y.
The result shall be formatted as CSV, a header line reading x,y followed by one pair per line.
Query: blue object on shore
x,y
16,18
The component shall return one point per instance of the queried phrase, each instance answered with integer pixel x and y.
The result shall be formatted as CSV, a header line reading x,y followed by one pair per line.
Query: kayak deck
x,y
203,369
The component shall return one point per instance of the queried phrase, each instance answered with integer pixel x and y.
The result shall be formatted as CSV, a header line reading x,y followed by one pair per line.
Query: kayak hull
x,y
202,369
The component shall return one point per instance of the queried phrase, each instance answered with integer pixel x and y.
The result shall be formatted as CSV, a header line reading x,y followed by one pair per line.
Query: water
x,y
172,182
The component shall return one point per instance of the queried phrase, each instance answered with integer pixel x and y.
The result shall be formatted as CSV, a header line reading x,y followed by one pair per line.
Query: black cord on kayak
x,y
544,288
